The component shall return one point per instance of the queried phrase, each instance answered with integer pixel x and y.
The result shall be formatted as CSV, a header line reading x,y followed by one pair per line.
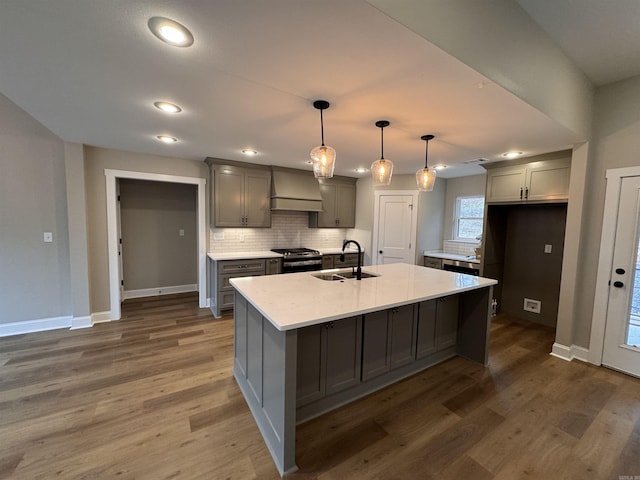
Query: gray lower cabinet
x,y
433,262
437,325
329,359
222,296
389,340
332,260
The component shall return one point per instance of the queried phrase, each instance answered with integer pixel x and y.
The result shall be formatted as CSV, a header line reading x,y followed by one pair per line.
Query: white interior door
x,y
622,332
395,228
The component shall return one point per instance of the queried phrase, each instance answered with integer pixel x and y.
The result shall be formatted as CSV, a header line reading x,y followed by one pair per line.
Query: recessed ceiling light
x,y
309,162
440,167
167,107
170,31
249,151
167,139
361,170
512,154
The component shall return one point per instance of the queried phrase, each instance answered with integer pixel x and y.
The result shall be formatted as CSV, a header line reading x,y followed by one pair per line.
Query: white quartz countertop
x,y
242,255
452,256
337,250
298,299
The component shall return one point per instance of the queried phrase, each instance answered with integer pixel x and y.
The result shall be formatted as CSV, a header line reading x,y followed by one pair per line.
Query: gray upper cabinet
x,y
536,181
338,204
241,197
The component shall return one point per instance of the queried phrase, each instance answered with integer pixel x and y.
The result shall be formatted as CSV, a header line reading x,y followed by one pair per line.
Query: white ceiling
x,y
91,70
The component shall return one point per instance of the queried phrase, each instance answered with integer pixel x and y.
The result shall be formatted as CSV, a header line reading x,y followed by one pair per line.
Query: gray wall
x,y
528,271
152,214
34,276
430,213
96,161
616,145
460,186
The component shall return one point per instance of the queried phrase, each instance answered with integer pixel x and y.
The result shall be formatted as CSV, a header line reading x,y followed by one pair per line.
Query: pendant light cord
x,y
381,143
426,154
321,127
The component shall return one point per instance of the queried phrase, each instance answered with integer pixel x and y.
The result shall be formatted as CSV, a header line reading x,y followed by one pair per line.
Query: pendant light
x,y
426,177
381,170
324,156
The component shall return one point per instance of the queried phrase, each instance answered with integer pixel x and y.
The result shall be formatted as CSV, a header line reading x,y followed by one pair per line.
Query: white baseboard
x,y
152,292
30,326
569,353
81,322
100,317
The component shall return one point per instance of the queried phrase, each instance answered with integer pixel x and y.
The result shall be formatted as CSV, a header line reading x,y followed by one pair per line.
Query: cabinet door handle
x,y
521,191
526,193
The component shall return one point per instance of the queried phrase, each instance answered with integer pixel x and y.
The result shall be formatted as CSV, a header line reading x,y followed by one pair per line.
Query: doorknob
x,y
620,271
618,284
380,252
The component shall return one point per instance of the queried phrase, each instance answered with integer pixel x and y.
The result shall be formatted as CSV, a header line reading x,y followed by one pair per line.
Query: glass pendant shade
x,y
324,161
426,179
324,156
381,171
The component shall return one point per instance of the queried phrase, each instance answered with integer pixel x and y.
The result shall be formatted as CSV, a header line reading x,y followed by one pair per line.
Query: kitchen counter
x,y
242,255
304,346
311,301
337,251
452,256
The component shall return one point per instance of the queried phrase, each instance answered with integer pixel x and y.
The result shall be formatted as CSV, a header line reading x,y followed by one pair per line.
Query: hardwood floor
x,y
152,397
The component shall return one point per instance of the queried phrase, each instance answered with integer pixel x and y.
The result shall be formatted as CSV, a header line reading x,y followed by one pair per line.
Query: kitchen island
x,y
304,345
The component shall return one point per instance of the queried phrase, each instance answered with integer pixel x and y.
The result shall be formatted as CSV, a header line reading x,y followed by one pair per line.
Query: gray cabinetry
x,y
225,270
389,340
330,260
338,204
241,197
273,266
433,262
329,359
535,181
437,325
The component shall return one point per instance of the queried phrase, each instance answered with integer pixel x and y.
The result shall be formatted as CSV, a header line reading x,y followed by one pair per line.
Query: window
x,y
467,218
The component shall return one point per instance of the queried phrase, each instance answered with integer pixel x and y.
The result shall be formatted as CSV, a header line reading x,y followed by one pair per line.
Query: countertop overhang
x,y
298,300
452,256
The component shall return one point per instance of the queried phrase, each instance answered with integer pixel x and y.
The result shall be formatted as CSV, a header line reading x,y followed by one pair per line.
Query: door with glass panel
x,y
622,332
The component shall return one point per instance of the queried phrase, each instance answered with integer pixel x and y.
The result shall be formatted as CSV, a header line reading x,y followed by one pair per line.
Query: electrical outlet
x,y
547,248
48,237
242,237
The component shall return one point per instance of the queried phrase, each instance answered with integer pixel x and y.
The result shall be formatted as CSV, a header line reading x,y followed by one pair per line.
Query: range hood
x,y
295,190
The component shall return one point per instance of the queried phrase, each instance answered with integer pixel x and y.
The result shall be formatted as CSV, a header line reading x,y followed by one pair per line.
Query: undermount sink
x,y
337,276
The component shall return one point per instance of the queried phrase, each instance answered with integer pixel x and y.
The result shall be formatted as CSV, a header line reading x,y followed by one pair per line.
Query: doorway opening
x,y
112,177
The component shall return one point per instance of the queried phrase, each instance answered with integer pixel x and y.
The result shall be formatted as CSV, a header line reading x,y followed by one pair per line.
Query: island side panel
x,y
268,382
474,324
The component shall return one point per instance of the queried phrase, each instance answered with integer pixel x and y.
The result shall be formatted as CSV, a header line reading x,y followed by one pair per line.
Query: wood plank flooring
x,y
152,397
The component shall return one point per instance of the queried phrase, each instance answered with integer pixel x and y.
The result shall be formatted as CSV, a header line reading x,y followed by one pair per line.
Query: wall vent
x,y
532,305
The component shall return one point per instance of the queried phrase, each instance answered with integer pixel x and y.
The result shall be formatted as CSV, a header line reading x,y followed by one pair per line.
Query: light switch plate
x,y
48,237
182,232
547,248
218,236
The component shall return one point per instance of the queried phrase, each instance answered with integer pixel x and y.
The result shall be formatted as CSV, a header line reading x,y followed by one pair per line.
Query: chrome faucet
x,y
359,269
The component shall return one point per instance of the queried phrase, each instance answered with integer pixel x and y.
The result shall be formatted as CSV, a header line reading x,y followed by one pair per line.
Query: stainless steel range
x,y
299,259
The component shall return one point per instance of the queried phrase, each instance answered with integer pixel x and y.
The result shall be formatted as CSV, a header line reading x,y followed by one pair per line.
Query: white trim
x,y
112,231
569,353
152,292
605,262
414,221
81,322
100,317
30,326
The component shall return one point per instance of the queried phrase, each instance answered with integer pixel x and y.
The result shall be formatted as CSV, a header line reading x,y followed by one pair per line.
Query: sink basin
x,y
346,275
353,274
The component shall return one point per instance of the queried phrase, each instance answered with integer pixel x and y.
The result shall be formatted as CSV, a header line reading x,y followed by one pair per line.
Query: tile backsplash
x,y
288,229
460,248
